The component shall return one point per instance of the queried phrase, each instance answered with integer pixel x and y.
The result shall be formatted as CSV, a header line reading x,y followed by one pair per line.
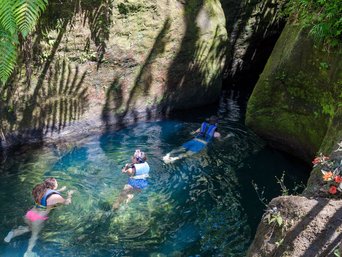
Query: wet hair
x,y
140,156
50,183
39,190
213,120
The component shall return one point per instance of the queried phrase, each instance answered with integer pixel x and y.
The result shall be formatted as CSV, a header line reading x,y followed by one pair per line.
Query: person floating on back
x,y
204,135
46,197
138,172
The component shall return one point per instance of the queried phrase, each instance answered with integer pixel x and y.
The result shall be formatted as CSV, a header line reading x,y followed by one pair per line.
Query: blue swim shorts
x,y
194,145
137,183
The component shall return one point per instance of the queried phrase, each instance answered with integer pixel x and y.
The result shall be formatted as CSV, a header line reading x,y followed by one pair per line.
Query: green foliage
x,y
9,54
126,8
26,14
281,182
274,218
322,17
323,65
17,17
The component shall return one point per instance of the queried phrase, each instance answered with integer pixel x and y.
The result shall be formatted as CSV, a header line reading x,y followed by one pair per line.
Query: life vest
x,y
141,170
43,201
207,131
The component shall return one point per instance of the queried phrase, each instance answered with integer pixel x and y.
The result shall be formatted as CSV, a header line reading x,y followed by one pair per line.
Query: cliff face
x,y
99,64
253,28
296,105
96,64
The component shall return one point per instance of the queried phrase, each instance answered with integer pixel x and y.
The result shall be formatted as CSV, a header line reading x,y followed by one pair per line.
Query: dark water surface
x,y
201,206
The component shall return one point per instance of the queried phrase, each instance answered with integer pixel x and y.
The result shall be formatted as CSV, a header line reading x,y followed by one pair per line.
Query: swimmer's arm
x,y
224,138
56,199
62,189
196,131
217,134
68,200
129,171
124,168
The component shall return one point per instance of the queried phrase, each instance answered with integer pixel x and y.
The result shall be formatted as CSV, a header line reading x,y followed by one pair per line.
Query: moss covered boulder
x,y
297,107
296,104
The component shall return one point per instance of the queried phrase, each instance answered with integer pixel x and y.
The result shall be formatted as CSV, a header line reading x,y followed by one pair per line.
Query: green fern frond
x,y
8,49
16,16
26,14
7,20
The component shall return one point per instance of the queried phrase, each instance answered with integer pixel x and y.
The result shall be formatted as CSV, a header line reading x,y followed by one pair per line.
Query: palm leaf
x,y
7,20
16,16
9,55
26,14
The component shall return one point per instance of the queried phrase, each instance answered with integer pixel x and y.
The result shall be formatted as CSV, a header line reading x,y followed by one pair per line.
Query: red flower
x,y
338,179
316,160
332,190
320,159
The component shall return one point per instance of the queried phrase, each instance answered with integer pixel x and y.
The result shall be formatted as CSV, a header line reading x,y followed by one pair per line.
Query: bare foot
x,y
30,254
9,237
168,159
129,198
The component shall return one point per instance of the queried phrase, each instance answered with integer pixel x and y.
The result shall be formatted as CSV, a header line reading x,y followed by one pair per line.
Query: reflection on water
x,y
204,205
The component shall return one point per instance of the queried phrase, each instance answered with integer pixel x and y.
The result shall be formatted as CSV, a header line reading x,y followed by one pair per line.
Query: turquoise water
x,y
201,206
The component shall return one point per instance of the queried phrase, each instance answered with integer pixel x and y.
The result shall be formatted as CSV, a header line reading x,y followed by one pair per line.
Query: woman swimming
x,y
46,197
204,135
138,172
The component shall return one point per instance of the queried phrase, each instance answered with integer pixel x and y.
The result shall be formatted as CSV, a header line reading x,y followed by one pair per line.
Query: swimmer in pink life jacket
x,y
138,172
204,135
46,197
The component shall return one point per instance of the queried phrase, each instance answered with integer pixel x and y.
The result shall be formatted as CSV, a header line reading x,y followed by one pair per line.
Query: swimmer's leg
x,y
181,156
179,152
184,154
123,197
129,198
16,232
36,227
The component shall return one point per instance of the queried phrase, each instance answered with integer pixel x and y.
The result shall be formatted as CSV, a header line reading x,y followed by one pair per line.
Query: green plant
x,y
323,65
261,194
17,19
126,8
322,17
274,218
280,181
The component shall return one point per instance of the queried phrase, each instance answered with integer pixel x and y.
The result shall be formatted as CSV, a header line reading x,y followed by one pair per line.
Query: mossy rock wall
x,y
296,103
101,63
253,27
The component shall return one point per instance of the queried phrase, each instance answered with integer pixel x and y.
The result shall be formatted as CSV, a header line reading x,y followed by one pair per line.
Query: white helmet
x,y
139,155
